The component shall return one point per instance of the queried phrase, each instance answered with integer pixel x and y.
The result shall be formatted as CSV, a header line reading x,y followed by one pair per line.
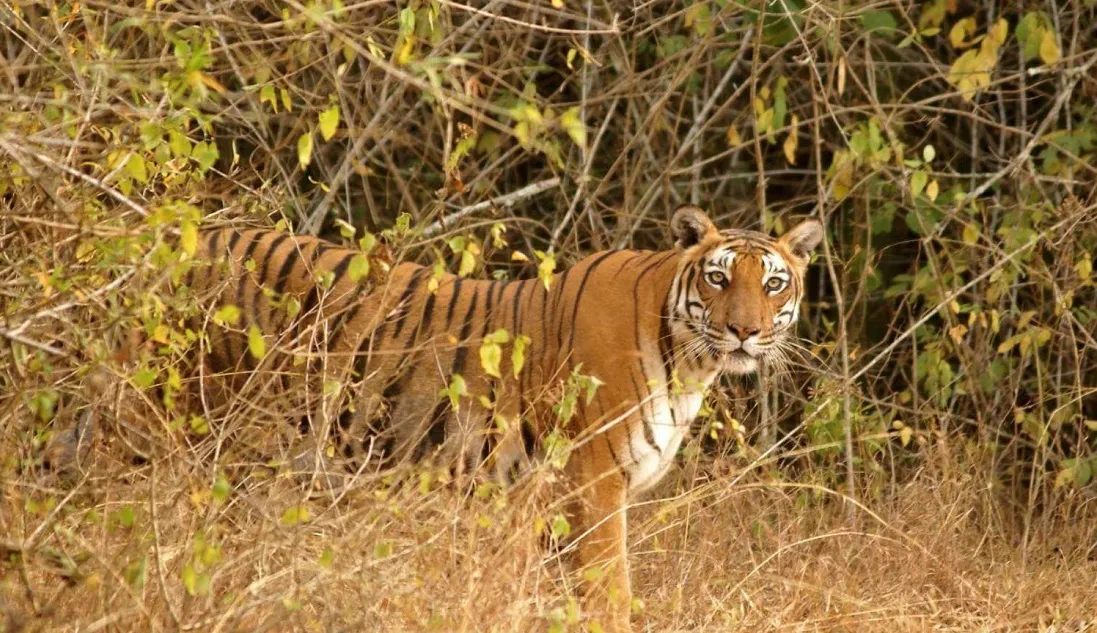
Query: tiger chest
x,y
652,446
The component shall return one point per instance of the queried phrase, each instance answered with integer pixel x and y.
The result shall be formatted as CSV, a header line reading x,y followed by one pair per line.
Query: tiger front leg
x,y
603,556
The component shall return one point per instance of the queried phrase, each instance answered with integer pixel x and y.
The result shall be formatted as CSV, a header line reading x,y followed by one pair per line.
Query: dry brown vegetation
x,y
938,474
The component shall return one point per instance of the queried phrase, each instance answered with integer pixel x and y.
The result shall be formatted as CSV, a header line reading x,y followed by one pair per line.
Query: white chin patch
x,y
738,363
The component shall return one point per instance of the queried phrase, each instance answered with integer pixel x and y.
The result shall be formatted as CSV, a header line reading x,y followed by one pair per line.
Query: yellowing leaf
x,y
468,263
1084,267
304,149
734,140
294,515
971,72
932,189
699,16
957,333
136,168
932,15
545,268
1049,49
996,34
791,142
905,434
491,354
359,268
519,256
256,345
227,315
188,238
569,120
960,31
971,234
329,121
518,354
841,174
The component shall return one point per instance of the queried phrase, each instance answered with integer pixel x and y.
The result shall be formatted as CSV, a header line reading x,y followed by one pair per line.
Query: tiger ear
x,y
690,225
801,239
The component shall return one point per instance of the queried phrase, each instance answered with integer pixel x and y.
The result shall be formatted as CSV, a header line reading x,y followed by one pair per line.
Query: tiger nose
x,y
742,331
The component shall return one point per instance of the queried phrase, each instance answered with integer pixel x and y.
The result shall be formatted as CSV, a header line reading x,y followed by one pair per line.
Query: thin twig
x,y
503,201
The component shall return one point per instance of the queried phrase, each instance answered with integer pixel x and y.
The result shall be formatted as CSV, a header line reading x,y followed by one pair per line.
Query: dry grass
x,y
719,546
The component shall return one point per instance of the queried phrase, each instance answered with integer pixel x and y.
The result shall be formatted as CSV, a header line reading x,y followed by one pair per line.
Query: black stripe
x,y
636,295
616,460
649,435
462,341
241,291
579,298
514,316
232,241
405,297
454,295
284,271
494,290
665,352
278,241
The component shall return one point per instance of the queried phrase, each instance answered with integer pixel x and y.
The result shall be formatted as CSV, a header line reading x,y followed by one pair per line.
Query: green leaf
x,y
917,183
518,353
206,154
780,103
359,268
136,168
382,549
329,121
143,379
256,345
190,579
882,22
407,22
455,390
293,307
221,490
227,315
882,218
559,526
179,144
304,149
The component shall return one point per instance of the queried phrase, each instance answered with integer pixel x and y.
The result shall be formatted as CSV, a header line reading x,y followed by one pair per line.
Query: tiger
x,y
654,329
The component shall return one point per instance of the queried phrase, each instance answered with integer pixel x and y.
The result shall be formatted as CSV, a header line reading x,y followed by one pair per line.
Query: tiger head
x,y
737,295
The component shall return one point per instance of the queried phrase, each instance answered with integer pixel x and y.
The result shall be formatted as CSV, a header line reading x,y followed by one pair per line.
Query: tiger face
x,y
737,295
